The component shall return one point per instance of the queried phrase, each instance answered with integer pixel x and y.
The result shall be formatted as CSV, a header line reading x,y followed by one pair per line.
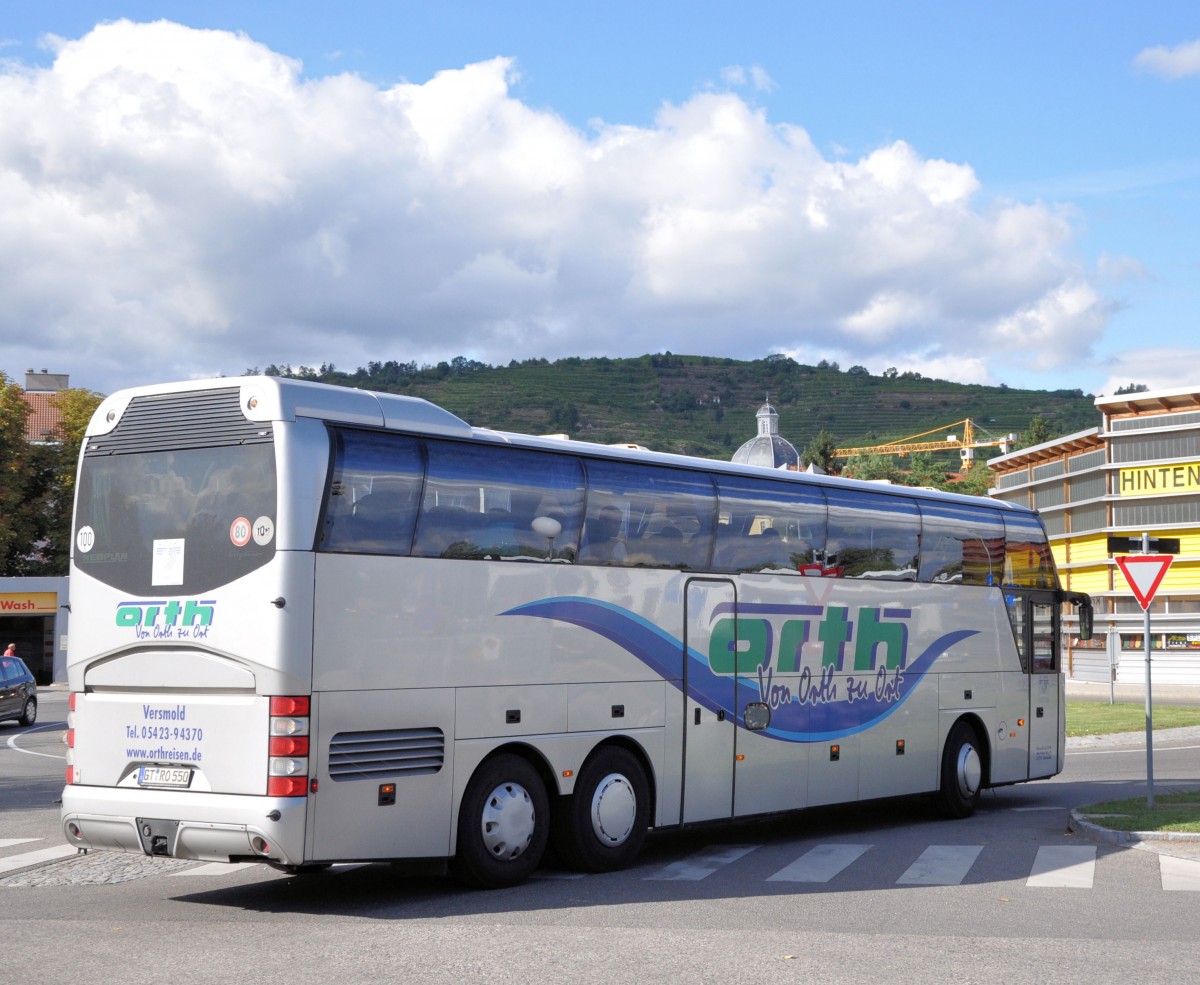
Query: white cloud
x,y
181,202
733,75
1159,368
1171,63
1118,269
756,76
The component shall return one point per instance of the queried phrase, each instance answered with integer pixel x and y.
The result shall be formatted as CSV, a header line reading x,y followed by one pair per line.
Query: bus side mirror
x,y
1085,620
1086,613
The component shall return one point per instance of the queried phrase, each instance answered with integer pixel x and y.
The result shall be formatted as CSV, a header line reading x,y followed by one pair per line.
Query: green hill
x,y
702,405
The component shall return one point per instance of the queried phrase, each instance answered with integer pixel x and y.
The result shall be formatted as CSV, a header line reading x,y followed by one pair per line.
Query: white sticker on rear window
x,y
167,567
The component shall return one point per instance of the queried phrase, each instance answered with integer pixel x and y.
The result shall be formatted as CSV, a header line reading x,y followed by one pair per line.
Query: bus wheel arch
x,y
964,769
503,821
601,827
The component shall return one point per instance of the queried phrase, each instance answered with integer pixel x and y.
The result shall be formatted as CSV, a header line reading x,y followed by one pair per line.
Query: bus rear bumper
x,y
201,826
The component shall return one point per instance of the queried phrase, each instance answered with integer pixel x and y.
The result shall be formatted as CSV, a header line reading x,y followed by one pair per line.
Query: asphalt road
x,y
1008,894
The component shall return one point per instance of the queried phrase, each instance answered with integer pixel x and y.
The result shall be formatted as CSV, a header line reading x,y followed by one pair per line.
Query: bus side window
x,y
668,515
961,544
773,526
482,502
874,536
1027,558
371,505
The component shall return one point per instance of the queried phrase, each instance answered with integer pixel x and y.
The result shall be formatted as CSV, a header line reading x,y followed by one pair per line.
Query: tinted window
x,y
872,536
181,521
962,544
647,516
1027,557
482,501
373,499
769,526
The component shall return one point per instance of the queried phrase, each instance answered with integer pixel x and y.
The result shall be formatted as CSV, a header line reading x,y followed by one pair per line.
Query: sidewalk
x,y
1162,694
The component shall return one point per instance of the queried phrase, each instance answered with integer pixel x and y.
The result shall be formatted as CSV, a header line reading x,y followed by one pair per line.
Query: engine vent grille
x,y
174,421
388,752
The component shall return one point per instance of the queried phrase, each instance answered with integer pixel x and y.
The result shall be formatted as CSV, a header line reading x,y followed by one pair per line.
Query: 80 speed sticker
x,y
239,532
262,530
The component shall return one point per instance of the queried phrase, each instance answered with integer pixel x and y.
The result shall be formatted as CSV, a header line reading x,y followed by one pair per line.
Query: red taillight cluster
x,y
287,747
71,776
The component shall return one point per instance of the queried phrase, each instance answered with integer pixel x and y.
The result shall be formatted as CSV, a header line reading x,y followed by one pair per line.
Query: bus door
x,y
1035,619
708,735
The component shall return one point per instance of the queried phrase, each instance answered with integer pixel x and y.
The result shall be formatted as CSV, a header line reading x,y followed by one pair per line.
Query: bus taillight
x,y
287,747
70,738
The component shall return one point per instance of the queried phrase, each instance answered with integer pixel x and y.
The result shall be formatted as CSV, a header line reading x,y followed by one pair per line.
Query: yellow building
x,y
1138,472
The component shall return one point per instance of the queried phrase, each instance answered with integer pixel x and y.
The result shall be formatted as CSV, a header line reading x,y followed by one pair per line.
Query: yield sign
x,y
1145,573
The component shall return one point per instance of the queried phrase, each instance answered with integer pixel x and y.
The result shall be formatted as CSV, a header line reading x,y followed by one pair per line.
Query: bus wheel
x,y
29,715
962,773
602,826
503,824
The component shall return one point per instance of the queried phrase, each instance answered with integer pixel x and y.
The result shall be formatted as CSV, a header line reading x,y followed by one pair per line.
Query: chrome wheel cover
x,y
968,771
507,823
614,810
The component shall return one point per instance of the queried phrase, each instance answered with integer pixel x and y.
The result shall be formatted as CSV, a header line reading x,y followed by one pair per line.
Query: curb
x,y
1108,836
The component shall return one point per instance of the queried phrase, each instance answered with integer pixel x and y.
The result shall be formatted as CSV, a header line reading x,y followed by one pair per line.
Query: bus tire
x,y
503,823
602,826
962,773
29,715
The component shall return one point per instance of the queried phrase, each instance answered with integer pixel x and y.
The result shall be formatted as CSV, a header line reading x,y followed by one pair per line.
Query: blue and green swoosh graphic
x,y
818,711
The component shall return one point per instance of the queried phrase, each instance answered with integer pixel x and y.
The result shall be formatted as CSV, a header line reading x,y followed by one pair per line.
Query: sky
x,y
999,194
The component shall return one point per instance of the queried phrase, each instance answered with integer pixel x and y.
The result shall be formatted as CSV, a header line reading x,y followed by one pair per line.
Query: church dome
x,y
768,448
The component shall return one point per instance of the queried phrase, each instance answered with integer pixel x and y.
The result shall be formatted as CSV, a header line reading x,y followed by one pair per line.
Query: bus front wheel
x,y
503,824
962,773
602,826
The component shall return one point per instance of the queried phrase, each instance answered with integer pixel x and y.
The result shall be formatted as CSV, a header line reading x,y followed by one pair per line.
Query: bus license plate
x,y
164,776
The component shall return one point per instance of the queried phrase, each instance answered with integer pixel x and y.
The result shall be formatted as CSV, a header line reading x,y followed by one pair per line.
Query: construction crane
x,y
966,447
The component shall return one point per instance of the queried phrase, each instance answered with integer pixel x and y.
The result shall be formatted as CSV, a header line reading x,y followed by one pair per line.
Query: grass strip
x,y
1101,718
1175,811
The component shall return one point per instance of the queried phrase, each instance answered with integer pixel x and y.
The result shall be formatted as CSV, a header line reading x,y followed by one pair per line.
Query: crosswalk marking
x,y
14,862
1054,866
1179,874
820,864
1063,867
941,865
702,864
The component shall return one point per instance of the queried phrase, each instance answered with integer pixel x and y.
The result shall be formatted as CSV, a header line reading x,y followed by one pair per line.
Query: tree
x,y
37,483
872,466
924,471
819,451
75,408
1037,432
977,482
25,487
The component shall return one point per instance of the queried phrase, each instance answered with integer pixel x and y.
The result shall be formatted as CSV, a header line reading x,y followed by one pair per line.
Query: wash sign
x,y
28,603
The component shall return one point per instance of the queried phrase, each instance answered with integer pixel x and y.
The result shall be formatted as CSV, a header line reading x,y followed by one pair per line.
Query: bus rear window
x,y
176,522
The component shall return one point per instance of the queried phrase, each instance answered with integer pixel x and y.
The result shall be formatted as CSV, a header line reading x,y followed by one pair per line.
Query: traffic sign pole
x,y
1149,708
1144,574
